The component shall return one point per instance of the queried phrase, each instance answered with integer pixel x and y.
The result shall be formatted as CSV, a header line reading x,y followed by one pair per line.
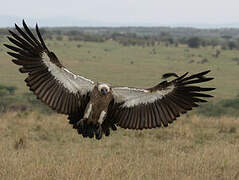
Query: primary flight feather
x,y
95,108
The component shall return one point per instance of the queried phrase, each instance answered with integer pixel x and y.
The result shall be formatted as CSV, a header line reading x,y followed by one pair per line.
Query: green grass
x,y
110,62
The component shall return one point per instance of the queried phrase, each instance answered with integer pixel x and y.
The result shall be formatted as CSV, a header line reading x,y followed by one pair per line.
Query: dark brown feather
x,y
55,97
124,119
32,79
132,119
26,36
198,75
156,117
41,40
59,102
138,118
30,34
128,120
22,41
21,57
45,89
171,115
17,43
149,118
161,114
175,104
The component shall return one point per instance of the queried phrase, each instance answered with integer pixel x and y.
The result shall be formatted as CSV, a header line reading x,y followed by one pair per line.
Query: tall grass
x,y
34,146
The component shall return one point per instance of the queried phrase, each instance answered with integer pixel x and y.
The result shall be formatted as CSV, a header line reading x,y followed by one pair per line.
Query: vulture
x,y
95,108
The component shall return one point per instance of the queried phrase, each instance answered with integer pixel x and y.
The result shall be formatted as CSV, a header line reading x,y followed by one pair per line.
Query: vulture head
x,y
103,88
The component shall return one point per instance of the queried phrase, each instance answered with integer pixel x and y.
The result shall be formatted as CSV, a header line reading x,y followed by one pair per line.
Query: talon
x,y
75,125
98,132
83,127
85,132
113,127
107,132
90,131
80,125
79,130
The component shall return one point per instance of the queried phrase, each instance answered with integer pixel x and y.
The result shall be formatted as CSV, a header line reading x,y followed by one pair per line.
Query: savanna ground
x,y
34,146
38,146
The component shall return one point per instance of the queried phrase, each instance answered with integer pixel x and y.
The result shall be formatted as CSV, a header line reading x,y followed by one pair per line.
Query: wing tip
x,y
16,26
6,45
11,53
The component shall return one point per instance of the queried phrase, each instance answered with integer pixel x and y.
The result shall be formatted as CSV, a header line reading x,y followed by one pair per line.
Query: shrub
x,y
224,107
36,104
194,42
23,103
7,90
232,45
205,60
59,38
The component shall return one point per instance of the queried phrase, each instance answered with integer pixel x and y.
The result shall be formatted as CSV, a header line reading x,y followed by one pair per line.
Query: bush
x,y
224,107
194,42
3,92
205,60
232,45
5,102
22,103
7,90
36,104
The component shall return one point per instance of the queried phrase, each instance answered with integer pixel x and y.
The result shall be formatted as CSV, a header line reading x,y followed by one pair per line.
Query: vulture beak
x,y
103,91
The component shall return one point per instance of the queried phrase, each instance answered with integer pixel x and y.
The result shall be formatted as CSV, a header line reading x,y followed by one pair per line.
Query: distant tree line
x,y
134,39
141,36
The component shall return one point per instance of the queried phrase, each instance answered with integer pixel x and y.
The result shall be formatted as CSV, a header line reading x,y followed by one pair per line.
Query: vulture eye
x,y
104,91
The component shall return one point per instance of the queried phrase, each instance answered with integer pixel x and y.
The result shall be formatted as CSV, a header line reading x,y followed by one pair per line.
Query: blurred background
x,y
203,14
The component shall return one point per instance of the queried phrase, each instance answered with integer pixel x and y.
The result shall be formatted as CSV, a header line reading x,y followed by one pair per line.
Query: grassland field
x,y
134,66
36,146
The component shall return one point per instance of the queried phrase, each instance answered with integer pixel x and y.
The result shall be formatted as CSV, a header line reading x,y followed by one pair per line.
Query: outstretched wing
x,y
50,81
159,105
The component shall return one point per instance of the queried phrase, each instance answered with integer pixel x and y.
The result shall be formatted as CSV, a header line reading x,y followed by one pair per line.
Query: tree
x,y
7,90
194,42
232,45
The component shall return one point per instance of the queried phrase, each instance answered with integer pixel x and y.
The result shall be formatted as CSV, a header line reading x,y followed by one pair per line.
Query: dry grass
x,y
45,147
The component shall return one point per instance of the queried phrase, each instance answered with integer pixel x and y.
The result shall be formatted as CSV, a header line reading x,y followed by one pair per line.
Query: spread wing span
x,y
50,81
160,105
